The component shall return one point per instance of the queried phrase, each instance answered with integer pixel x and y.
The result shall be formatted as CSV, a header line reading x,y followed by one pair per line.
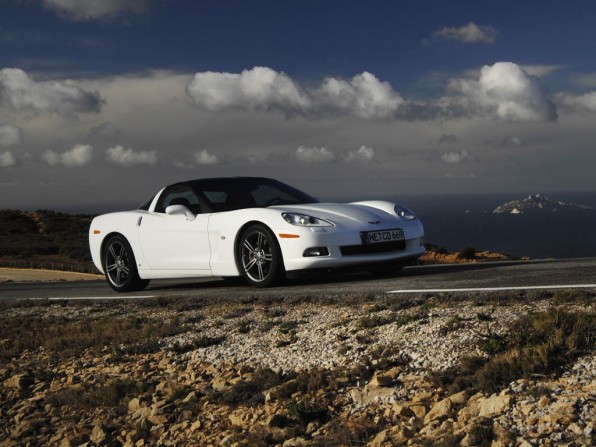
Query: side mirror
x,y
180,210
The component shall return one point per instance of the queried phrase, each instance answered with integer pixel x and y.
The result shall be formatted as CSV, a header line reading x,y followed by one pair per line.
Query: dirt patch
x,y
32,275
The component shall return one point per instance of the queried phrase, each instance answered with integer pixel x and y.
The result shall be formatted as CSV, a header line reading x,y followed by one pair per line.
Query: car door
x,y
174,242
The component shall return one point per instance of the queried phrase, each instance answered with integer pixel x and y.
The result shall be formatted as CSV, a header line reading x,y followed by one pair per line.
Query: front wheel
x,y
120,266
259,257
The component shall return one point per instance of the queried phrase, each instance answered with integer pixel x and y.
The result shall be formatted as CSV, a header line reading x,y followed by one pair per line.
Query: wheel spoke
x,y
250,265
113,252
111,267
261,274
249,247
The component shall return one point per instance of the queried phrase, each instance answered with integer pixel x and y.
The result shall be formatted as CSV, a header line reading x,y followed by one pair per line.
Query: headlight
x,y
404,213
302,220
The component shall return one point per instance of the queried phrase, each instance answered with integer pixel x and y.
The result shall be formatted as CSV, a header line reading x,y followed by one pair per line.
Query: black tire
x,y
120,266
259,257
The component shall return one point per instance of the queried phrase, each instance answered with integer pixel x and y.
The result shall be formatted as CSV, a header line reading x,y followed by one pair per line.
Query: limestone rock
x,y
440,411
494,406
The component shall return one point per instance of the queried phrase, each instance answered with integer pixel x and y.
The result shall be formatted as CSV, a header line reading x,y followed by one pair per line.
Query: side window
x,y
268,194
178,195
218,200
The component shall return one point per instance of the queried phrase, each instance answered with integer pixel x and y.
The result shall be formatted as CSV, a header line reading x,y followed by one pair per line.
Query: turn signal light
x,y
96,231
289,236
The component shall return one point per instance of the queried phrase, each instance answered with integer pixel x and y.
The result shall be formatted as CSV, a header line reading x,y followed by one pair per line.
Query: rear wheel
x,y
120,266
259,257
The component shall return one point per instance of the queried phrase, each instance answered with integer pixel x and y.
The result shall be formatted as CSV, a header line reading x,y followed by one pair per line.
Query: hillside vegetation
x,y
26,235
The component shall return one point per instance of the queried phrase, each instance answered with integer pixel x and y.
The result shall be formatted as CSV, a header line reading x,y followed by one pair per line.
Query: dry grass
x,y
539,343
66,337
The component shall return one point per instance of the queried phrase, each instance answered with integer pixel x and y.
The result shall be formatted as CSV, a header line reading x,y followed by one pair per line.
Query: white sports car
x,y
257,228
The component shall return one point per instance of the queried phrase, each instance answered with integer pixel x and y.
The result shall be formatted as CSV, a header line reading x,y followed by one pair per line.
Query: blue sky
x,y
349,98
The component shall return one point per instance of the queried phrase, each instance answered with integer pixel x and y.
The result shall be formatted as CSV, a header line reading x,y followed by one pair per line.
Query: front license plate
x,y
377,237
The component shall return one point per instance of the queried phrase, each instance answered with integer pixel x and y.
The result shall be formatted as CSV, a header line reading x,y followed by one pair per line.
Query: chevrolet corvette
x,y
256,228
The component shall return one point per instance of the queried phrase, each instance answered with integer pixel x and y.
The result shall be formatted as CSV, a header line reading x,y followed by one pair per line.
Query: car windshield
x,y
229,194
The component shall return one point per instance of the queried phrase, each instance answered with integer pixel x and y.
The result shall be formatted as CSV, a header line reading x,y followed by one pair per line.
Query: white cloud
x,y
363,154
10,135
314,155
128,157
577,103
262,88
97,9
24,95
205,158
504,91
469,34
258,89
364,96
455,157
79,155
7,160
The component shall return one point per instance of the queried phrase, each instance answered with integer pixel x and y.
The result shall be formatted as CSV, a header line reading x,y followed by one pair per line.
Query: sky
x,y
102,103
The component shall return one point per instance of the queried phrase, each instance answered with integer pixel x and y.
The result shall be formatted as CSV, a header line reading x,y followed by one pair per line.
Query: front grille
x,y
353,250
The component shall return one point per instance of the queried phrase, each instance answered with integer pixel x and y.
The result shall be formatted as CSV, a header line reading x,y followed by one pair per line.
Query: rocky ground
x,y
317,371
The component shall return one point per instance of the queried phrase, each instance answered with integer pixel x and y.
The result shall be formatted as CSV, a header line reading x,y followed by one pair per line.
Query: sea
x,y
460,221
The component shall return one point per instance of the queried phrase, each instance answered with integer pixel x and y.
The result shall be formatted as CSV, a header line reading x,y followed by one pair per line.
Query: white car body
x,y
181,244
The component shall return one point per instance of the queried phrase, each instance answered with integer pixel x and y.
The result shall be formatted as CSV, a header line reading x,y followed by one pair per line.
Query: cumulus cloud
x,y
262,88
363,154
205,158
314,155
81,10
364,96
10,135
585,103
505,91
127,157
258,89
468,34
24,95
79,155
7,160
455,157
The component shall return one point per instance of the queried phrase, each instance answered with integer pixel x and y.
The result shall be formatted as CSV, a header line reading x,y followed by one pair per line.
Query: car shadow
x,y
335,277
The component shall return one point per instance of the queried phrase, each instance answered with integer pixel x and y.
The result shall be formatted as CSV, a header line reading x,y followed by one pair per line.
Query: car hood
x,y
340,212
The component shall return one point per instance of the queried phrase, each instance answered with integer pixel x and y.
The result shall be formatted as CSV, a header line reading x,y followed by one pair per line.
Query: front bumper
x,y
343,248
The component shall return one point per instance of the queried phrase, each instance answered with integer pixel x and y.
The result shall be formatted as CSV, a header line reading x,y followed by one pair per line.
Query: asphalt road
x,y
548,274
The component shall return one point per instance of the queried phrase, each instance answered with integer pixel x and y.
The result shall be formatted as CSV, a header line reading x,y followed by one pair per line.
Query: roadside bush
x,y
539,343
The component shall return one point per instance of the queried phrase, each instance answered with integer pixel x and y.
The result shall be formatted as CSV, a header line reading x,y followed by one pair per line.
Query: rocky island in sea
x,y
538,203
